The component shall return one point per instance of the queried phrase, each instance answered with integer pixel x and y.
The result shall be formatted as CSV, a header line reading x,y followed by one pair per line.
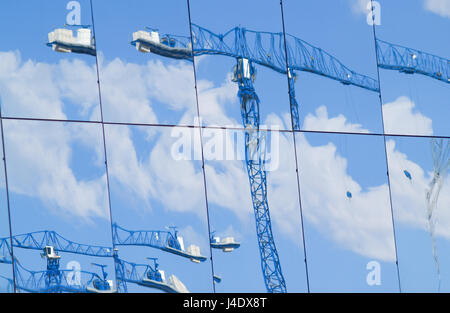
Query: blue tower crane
x,y
41,239
248,48
35,282
101,285
56,280
254,156
266,49
227,244
262,48
147,276
51,243
168,241
411,61
164,240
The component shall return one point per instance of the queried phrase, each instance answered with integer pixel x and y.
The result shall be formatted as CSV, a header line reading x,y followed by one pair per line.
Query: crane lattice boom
x,y
410,61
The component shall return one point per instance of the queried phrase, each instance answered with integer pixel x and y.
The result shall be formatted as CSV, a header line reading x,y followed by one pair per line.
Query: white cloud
x,y
40,154
76,82
230,231
213,101
360,6
441,7
42,166
28,88
192,236
179,184
228,187
322,122
361,224
410,196
169,83
39,163
126,92
400,117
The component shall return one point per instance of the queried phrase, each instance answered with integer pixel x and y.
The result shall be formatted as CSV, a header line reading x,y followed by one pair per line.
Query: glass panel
x,y
414,103
233,215
37,82
154,190
6,277
58,184
348,227
219,104
138,86
344,34
420,189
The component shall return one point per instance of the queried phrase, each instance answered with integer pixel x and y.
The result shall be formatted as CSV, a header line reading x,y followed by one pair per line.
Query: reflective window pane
x,y
332,40
41,81
245,35
6,273
140,85
237,211
155,190
416,92
348,226
58,195
420,185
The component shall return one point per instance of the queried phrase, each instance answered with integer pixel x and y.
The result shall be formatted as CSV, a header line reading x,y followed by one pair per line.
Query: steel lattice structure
x,y
411,61
280,52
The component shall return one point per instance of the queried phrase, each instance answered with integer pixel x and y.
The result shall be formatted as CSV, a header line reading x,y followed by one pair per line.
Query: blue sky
x,y
57,175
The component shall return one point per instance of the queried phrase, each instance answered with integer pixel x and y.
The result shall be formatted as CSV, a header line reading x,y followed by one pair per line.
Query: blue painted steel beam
x,y
412,61
39,240
293,102
5,251
140,274
163,240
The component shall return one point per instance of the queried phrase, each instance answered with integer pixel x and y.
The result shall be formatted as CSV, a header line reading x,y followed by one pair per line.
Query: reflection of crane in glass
x,y
265,49
227,244
168,241
149,276
63,40
441,164
57,280
412,61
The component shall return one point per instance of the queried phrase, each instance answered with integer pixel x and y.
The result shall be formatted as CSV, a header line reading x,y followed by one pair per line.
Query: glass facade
x,y
234,146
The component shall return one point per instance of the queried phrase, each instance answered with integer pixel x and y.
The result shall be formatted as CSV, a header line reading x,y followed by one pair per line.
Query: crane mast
x,y
245,75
